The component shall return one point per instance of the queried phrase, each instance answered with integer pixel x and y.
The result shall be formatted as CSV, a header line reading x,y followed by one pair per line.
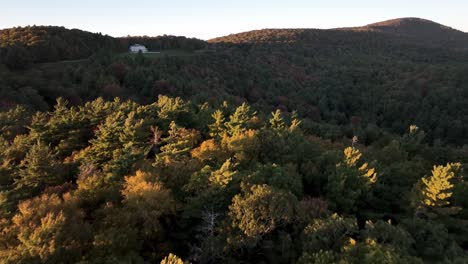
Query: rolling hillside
x,y
271,146
420,31
329,76
413,31
48,43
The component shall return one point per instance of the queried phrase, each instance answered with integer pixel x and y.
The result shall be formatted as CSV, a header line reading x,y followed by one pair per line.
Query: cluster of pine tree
x,y
174,181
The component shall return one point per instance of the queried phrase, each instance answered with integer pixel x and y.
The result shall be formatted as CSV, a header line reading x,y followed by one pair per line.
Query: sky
x,y
207,19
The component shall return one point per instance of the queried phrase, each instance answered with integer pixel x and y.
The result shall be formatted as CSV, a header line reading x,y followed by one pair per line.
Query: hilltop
x,y
415,31
420,30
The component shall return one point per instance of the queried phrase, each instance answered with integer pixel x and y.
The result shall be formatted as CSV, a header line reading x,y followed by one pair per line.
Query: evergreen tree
x,y
38,170
276,120
434,192
178,144
217,129
349,185
238,121
224,175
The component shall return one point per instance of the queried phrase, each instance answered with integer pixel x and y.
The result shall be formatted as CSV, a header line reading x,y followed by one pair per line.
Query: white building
x,y
136,48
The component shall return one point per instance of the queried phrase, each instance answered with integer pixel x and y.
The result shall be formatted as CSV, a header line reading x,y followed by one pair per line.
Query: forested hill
x,y
420,31
21,45
284,146
397,31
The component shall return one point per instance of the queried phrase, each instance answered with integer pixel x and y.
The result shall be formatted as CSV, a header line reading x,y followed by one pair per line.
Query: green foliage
x,y
17,58
327,234
224,175
285,178
217,129
239,120
276,121
262,209
178,144
38,169
432,240
46,229
13,122
321,257
349,185
118,181
44,44
223,170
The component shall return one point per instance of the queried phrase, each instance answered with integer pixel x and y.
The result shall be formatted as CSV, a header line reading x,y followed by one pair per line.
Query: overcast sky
x,y
208,18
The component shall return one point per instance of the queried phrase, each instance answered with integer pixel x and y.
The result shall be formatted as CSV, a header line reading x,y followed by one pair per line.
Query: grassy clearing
x,y
164,53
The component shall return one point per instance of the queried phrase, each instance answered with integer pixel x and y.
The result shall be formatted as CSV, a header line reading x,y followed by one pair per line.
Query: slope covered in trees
x,y
115,181
342,82
421,31
274,146
22,45
415,31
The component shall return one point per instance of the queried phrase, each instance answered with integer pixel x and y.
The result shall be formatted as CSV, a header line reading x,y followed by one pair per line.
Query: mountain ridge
x,y
412,29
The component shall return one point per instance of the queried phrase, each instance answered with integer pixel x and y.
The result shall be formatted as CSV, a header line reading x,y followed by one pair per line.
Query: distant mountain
x,y
421,31
415,31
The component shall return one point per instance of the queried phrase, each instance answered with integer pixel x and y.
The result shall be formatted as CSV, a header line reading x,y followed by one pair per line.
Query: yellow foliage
x,y
244,146
224,175
368,173
47,227
140,185
351,159
437,189
352,156
172,259
208,150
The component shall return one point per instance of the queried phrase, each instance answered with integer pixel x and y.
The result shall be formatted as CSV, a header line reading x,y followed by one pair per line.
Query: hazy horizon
x,y
208,19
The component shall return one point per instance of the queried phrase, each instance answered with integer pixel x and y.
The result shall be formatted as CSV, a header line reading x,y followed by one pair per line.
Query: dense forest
x,y
22,46
270,146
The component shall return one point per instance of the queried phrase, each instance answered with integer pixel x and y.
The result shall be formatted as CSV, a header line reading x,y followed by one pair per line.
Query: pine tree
x,y
276,120
38,170
178,144
217,129
106,142
172,109
295,122
412,141
238,121
224,175
349,185
351,159
436,190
